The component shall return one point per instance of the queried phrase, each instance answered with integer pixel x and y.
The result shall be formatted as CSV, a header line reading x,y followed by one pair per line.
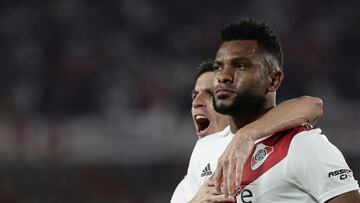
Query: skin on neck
x,y
238,121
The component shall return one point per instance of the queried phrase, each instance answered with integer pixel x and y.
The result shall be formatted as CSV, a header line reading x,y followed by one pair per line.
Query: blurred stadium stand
x,y
95,95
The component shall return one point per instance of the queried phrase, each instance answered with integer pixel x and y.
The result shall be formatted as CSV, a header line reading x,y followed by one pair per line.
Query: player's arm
x,y
349,197
178,195
286,115
189,186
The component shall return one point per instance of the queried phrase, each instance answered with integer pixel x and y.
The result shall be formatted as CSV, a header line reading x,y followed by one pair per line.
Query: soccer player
x,y
296,165
207,121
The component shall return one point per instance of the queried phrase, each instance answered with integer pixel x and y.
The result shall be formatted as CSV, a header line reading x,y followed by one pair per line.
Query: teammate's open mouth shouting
x,y
202,124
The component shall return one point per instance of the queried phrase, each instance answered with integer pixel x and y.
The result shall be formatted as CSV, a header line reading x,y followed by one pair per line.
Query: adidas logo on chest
x,y
207,171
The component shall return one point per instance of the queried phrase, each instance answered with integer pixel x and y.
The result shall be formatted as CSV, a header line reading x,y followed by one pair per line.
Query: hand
x,y
208,193
231,162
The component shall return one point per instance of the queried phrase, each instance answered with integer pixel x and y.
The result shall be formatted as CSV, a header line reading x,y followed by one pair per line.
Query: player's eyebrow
x,y
208,90
217,62
241,59
237,58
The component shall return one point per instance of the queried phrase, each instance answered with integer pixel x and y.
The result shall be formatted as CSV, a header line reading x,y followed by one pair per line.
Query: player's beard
x,y
244,103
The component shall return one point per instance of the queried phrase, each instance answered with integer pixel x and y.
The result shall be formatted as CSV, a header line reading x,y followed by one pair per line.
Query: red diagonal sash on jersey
x,y
277,145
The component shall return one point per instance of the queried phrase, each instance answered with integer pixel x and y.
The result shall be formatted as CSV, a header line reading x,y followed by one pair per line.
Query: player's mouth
x,y
223,93
202,124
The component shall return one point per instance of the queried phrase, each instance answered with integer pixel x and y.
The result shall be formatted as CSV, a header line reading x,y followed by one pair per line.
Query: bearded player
x,y
208,121
294,165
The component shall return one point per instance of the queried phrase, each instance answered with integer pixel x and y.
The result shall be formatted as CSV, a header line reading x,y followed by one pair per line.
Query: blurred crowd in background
x,y
95,95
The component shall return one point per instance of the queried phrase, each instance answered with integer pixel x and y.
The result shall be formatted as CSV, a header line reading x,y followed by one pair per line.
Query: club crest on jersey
x,y
260,155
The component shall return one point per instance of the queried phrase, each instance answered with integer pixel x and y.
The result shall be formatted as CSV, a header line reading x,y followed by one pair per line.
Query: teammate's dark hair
x,y
250,29
203,67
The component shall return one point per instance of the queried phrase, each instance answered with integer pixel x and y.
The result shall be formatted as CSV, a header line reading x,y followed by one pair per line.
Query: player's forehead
x,y
205,81
237,48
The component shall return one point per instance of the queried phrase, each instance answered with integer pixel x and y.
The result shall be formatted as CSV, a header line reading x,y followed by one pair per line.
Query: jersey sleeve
x,y
318,167
180,193
187,188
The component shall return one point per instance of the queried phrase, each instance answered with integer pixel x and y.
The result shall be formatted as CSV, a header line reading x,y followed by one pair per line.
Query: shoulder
x,y
318,166
214,138
312,134
311,140
207,145
284,139
313,149
183,192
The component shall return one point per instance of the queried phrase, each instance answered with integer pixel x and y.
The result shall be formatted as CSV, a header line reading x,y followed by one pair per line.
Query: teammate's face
x,y
239,81
206,119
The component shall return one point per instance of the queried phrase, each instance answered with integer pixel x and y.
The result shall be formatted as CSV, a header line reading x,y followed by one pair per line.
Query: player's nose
x,y
199,100
225,76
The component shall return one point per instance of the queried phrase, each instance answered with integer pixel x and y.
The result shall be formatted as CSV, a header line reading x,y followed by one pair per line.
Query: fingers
x,y
210,187
225,181
208,193
230,178
230,166
217,177
213,191
239,170
217,198
210,183
224,175
221,198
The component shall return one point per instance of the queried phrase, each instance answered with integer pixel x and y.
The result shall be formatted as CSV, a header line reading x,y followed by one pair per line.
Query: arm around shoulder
x,y
288,114
313,108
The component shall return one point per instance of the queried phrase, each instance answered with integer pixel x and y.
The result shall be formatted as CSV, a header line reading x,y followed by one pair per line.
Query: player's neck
x,y
240,120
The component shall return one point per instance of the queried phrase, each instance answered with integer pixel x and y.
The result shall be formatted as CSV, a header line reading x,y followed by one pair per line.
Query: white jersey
x,y
202,164
298,165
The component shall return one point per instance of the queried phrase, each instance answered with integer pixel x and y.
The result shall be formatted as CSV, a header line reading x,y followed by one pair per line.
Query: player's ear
x,y
275,80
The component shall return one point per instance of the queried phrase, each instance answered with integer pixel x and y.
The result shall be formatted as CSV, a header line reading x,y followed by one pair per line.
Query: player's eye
x,y
209,93
194,94
216,67
239,65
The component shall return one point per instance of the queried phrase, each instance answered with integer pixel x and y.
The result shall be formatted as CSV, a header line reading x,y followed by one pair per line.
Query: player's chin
x,y
224,101
202,133
223,106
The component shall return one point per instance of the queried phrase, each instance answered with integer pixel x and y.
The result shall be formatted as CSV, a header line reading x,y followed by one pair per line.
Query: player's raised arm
x,y
286,115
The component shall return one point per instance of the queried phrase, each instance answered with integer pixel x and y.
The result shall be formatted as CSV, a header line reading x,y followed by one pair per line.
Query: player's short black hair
x,y
249,29
204,67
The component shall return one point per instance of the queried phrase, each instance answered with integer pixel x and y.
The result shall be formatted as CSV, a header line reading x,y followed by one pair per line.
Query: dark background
x,y
95,95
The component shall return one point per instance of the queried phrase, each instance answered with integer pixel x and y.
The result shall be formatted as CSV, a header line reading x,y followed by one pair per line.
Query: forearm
x,y
353,197
286,115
